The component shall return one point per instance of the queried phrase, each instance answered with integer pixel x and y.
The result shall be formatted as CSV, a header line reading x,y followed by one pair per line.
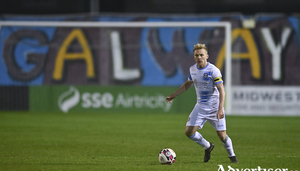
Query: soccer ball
x,y
167,156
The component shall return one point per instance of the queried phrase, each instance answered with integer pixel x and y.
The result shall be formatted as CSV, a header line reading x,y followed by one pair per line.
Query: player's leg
x,y
227,143
190,130
220,126
195,122
193,134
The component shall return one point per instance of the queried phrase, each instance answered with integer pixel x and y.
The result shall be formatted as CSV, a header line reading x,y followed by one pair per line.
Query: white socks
x,y
227,143
197,137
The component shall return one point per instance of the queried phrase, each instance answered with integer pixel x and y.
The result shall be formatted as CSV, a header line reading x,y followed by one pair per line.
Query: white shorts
x,y
199,116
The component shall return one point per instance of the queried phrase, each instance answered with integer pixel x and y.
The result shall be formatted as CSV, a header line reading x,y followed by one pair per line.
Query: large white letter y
x,y
276,49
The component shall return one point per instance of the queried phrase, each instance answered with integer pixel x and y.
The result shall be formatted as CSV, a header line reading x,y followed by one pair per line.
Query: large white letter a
x,y
221,168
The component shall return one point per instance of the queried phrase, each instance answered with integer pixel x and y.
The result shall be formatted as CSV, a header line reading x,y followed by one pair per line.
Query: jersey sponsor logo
x,y
202,85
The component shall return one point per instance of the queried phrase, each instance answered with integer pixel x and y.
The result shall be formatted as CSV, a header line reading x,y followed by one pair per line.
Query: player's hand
x,y
220,114
169,99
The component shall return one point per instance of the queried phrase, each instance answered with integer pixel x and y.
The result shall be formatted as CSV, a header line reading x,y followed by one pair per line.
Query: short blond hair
x,y
199,46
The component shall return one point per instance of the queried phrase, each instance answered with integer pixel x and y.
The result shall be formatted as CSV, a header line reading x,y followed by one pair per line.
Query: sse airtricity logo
x,y
69,99
93,100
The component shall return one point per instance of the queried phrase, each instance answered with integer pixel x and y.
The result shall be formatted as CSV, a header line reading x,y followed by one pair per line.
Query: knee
x,y
190,130
222,135
188,133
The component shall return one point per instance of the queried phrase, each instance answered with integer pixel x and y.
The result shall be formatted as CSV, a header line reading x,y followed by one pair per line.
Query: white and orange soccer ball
x,y
167,156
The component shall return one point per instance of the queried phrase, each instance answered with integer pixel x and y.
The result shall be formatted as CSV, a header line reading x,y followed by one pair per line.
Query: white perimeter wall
x,y
265,100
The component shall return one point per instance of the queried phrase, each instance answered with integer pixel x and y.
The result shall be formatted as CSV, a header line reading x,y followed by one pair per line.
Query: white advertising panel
x,y
266,100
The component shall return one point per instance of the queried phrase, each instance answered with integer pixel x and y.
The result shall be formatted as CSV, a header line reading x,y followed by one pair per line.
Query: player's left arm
x,y
220,87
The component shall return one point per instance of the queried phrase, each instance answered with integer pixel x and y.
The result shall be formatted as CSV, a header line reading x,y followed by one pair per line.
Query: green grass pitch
x,y
86,141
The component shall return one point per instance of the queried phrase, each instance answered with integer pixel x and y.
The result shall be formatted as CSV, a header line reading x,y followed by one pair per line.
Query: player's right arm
x,y
185,86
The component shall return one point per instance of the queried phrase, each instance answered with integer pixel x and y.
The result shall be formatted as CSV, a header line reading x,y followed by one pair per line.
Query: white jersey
x,y
205,81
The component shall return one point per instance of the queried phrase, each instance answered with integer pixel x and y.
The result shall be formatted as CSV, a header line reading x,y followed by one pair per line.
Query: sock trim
x,y
224,141
193,135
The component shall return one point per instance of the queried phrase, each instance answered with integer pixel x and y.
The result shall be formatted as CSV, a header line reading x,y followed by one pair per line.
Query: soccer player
x,y
208,83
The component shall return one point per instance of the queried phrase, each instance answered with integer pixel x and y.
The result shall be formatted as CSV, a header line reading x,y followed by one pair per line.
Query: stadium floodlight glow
x,y
226,25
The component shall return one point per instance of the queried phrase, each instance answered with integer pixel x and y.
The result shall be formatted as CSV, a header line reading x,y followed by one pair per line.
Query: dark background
x,y
247,7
